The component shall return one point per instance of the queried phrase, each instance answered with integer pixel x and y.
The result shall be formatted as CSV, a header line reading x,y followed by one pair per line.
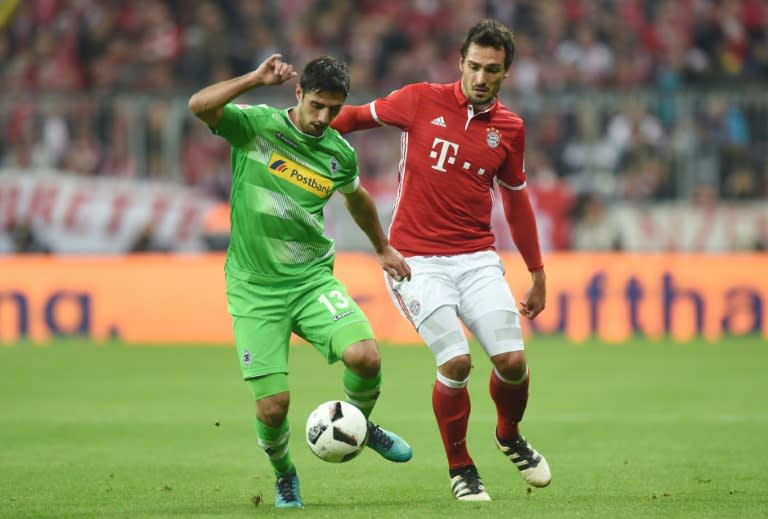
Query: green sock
x,y
274,442
362,392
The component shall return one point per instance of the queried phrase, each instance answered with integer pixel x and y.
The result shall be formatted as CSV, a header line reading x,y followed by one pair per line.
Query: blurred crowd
x,y
626,100
70,45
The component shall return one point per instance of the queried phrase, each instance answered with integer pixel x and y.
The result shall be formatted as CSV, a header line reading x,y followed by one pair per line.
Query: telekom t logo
x,y
441,147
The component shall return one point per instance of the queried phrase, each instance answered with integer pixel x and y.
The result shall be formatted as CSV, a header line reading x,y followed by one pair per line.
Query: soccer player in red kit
x,y
457,141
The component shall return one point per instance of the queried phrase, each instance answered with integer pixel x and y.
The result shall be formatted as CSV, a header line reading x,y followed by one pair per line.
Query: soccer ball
x,y
336,431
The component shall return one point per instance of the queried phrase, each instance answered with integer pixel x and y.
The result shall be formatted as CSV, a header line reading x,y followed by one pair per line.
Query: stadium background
x,y
647,130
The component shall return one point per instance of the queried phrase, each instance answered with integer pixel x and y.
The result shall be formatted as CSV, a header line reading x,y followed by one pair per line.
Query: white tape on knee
x,y
455,384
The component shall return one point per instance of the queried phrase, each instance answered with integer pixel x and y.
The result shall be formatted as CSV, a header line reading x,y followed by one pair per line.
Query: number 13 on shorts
x,y
335,302
335,321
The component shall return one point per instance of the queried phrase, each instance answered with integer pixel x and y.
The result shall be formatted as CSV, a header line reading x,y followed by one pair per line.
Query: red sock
x,y
510,400
451,406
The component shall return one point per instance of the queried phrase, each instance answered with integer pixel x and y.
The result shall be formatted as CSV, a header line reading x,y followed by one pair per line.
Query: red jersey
x,y
450,157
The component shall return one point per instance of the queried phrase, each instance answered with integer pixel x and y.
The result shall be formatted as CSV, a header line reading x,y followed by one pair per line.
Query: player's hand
x,y
535,298
394,264
274,71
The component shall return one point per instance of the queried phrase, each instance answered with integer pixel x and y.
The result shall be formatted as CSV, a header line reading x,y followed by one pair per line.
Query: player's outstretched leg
x,y
388,444
532,465
287,492
467,485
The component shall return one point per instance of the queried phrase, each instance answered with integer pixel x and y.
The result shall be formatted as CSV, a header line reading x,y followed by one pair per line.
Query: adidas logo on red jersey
x,y
439,121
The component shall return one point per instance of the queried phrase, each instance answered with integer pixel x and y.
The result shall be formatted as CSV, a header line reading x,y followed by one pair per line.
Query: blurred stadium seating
x,y
647,121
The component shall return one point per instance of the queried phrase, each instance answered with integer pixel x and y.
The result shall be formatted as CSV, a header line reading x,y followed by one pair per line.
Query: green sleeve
x,y
237,124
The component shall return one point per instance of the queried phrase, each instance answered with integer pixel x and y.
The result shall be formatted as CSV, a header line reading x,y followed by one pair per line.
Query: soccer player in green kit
x,y
286,164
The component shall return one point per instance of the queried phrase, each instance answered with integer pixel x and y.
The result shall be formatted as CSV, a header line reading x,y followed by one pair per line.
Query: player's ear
x,y
461,64
298,92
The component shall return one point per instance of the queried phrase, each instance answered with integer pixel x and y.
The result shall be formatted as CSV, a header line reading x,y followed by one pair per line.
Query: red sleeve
x,y
400,107
396,109
522,224
353,118
513,173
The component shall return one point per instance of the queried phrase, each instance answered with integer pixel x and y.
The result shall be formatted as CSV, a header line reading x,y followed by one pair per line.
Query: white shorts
x,y
473,284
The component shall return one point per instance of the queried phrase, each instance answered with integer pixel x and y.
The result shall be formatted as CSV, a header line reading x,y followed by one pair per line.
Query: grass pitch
x,y
636,430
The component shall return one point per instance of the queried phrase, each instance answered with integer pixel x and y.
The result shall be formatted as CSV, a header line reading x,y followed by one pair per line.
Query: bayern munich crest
x,y
414,307
492,137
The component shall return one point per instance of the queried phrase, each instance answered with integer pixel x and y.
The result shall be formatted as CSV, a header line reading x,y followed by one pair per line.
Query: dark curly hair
x,y
490,33
325,74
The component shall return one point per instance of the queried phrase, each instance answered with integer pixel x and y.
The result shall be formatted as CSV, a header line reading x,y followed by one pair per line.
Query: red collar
x,y
463,100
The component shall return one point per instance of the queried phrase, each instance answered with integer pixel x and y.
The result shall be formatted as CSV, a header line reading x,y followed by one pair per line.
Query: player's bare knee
x,y
511,365
273,409
456,368
363,358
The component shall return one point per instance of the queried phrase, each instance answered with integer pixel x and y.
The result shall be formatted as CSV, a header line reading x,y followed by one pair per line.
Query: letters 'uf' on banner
x,y
179,299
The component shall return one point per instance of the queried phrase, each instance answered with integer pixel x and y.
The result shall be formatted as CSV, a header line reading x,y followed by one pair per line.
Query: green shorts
x,y
319,310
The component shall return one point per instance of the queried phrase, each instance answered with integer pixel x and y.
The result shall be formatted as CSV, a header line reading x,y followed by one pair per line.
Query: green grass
x,y
637,430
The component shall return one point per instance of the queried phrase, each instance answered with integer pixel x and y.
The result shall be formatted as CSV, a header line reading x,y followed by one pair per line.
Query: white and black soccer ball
x,y
336,431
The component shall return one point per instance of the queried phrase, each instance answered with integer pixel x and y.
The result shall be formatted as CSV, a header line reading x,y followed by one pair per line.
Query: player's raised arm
x,y
208,103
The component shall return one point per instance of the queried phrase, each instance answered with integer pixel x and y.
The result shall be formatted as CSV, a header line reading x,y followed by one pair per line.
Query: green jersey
x,y
282,179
